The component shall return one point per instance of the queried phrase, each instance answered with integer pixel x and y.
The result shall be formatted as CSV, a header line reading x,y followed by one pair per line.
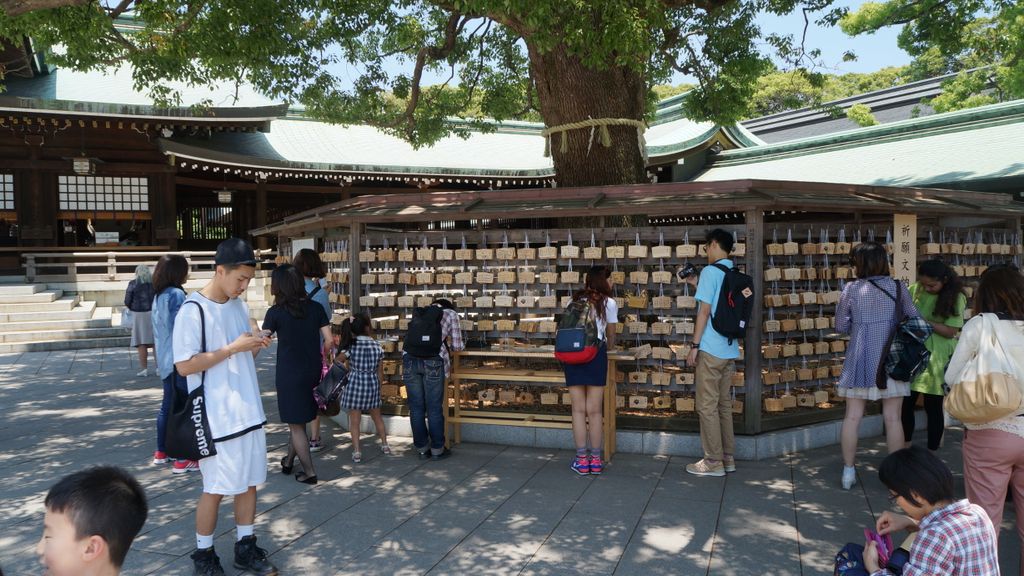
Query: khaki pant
x,y
714,405
993,464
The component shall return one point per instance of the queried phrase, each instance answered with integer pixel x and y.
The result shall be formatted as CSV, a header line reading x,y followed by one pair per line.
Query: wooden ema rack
x,y
461,375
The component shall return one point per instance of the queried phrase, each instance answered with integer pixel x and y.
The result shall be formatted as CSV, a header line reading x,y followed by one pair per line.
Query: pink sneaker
x,y
581,464
596,465
182,466
159,457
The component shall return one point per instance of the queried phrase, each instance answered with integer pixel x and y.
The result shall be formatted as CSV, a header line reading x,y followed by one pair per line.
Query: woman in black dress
x,y
299,324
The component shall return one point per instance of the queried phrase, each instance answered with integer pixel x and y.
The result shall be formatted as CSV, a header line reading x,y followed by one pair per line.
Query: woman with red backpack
x,y
586,381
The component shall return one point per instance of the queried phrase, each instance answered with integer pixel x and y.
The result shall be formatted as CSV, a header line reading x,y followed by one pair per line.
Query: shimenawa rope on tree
x,y
600,125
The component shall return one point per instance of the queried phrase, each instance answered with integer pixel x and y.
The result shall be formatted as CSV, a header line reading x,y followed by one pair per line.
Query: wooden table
x,y
460,375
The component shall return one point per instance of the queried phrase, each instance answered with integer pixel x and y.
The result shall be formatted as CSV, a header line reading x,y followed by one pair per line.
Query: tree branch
x,y
18,7
119,9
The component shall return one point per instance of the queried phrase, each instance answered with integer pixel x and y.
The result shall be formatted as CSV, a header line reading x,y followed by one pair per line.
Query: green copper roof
x,y
969,145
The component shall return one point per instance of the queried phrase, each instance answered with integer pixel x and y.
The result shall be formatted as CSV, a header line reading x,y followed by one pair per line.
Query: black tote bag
x,y
188,429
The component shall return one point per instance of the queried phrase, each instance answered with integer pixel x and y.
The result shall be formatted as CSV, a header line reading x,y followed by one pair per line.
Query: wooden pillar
x,y
36,203
262,242
355,287
754,220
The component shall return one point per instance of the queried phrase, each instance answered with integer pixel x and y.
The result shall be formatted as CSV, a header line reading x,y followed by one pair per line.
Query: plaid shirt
x,y
452,334
957,540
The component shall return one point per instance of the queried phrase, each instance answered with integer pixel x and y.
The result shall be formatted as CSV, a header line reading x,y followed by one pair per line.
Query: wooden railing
x,y
113,265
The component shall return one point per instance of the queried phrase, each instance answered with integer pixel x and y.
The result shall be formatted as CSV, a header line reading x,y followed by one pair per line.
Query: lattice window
x,y
103,193
6,192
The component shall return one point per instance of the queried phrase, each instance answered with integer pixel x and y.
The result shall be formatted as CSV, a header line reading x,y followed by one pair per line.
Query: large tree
x,y
570,60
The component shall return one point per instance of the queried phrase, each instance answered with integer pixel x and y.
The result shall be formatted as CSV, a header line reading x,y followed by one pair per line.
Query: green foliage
x,y
861,114
663,91
955,36
339,58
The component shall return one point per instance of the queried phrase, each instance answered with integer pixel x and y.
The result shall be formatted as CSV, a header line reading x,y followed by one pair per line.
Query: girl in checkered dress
x,y
362,394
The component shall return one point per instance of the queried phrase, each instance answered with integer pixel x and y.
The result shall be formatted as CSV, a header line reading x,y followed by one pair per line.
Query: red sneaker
x,y
581,464
159,457
182,466
596,465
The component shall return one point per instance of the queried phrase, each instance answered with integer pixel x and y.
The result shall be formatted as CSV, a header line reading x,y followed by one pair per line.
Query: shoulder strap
x,y
202,331
886,292
722,267
314,290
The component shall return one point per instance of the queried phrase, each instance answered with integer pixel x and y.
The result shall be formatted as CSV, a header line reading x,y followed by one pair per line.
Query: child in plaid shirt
x,y
954,537
362,354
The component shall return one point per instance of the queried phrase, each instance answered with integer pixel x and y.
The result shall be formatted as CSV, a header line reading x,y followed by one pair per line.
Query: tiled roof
x,y
944,149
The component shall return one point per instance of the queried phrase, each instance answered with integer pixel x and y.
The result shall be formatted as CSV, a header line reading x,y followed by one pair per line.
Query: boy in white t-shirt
x,y
233,405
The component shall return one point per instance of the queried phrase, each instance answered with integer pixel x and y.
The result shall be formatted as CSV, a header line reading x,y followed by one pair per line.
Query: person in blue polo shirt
x,y
714,356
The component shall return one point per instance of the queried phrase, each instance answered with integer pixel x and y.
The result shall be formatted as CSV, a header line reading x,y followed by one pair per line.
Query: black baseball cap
x,y
234,252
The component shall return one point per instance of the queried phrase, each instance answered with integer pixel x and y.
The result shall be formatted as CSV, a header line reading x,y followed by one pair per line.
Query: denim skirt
x,y
593,373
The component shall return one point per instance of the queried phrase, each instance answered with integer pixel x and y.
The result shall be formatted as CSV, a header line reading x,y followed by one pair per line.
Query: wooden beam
x,y
470,205
596,200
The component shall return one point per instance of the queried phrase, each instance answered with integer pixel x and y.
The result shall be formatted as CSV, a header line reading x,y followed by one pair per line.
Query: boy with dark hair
x,y
217,316
954,537
713,355
91,519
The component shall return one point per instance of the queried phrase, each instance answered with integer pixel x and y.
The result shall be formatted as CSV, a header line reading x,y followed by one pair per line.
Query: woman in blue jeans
x,y
168,278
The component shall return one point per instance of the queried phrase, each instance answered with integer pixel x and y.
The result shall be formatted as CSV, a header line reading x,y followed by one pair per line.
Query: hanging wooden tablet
x,y
424,278
526,254
737,407
443,278
388,390
620,302
528,327
772,326
821,323
791,273
547,302
805,348
792,299
773,249
547,253
790,248
389,367
661,379
503,301
525,301
685,327
641,352
549,277
464,254
681,351
505,325
506,277
661,251
548,326
820,372
809,249
661,329
484,278
835,370
484,254
506,396
772,274
638,277
484,302
505,253
789,324
638,377
425,254
821,396
702,250
739,249
804,374
367,279
661,353
771,351
569,251
843,272
637,401
805,400
661,277
614,252
592,252
526,277
637,327
564,301
685,378
686,302
386,301
406,256
570,277
407,278
617,277
788,350
805,324
662,402
465,325
661,303
444,254
488,395
367,300
787,375
388,323
637,300
738,379
821,347
637,251
386,278
838,345
463,277
367,256
808,273
686,251
485,325
685,404
548,398
770,377
773,405
460,302
842,248
422,301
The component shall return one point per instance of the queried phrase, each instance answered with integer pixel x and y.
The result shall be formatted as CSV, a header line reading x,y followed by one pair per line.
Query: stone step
x,y
67,303
60,335
20,289
38,297
97,321
75,344
83,311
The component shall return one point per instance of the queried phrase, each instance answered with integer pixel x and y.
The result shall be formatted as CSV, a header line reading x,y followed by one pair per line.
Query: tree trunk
x,y
568,91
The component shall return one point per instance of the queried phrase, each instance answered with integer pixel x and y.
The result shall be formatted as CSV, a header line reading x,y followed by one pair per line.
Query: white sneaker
x,y
849,477
143,373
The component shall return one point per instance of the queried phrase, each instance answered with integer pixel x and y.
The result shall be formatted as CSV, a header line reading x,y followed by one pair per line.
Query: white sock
x,y
204,542
243,530
848,468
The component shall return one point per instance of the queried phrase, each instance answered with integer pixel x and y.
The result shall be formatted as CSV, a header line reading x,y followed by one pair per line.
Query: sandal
x,y
285,469
385,449
306,479
357,457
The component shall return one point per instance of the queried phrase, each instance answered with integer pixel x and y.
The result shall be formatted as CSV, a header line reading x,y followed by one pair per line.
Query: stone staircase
x,y
34,318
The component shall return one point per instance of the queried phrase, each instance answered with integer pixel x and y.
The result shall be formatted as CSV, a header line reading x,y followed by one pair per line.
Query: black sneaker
x,y
250,557
206,563
442,455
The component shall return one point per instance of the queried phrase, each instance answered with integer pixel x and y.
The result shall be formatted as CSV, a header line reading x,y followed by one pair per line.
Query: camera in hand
x,y
686,271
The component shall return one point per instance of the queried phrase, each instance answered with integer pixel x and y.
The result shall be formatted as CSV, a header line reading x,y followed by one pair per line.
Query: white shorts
x,y
240,463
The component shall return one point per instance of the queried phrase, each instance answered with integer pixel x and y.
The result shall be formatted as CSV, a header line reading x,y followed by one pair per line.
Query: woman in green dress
x,y
939,296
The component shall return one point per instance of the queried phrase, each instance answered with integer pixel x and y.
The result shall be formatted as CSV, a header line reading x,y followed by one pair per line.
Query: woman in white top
x,y
993,452
586,382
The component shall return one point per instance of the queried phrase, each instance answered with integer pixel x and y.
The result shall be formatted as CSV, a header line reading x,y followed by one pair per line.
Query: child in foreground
x,y
91,519
954,537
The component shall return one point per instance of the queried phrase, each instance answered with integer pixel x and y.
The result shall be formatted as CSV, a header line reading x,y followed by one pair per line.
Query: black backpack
x,y
735,303
423,339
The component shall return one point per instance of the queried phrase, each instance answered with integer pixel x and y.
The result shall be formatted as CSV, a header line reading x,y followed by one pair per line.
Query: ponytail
x,y
352,327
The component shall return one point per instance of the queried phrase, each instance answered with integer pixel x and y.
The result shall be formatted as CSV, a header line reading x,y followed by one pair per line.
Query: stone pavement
x,y
487,510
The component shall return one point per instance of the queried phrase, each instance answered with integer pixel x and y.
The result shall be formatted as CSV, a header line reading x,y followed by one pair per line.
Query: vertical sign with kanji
x,y
904,249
